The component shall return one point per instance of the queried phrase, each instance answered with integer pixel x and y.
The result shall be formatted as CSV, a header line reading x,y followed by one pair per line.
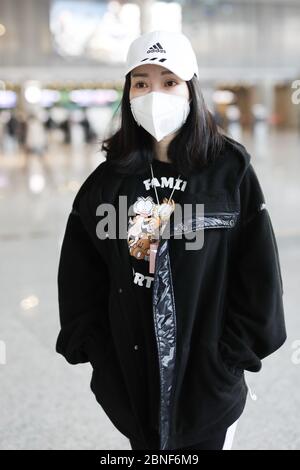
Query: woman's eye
x,y
138,83
171,81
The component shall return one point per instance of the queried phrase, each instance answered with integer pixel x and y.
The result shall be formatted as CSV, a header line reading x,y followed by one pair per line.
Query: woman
x,y
169,325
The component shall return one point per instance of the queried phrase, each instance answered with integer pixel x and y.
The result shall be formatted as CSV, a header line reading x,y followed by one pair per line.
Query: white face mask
x,y
160,113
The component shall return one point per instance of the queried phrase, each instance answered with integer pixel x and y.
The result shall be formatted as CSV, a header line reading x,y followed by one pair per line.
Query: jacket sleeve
x,y
254,326
83,292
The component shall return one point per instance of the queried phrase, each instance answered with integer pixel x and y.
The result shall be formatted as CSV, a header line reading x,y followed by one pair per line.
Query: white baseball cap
x,y
169,49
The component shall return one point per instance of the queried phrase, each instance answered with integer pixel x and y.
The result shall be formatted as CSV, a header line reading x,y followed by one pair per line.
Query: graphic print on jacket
x,y
141,226
150,218
145,226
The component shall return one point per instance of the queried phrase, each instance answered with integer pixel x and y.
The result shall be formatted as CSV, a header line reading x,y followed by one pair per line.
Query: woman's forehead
x,y
150,69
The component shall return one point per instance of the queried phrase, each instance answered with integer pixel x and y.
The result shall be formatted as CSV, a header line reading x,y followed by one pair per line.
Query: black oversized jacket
x,y
217,310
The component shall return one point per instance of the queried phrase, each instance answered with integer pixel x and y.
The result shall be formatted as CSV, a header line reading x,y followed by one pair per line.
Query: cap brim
x,y
180,74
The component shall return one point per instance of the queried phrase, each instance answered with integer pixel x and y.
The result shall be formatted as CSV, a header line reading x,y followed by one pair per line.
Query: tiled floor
x,y
46,403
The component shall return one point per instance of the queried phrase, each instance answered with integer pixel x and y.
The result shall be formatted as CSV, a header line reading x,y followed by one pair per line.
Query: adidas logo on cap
x,y
157,47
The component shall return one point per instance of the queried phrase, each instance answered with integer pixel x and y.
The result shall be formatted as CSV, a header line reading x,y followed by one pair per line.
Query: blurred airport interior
x,y
61,80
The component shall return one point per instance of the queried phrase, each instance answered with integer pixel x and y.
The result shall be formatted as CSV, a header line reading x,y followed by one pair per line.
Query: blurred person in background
x,y
8,132
12,126
21,130
65,127
89,133
170,331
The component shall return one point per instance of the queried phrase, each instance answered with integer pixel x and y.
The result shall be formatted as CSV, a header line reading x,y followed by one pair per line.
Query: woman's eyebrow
x,y
140,74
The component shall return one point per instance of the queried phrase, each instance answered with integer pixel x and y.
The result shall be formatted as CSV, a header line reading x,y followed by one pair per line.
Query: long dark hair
x,y
198,142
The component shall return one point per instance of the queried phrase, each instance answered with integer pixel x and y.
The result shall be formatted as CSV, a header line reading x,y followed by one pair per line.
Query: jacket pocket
x,y
209,220
109,387
218,220
97,349
222,374
231,369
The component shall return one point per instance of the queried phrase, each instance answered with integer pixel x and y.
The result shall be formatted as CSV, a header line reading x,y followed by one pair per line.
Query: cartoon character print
x,y
146,225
